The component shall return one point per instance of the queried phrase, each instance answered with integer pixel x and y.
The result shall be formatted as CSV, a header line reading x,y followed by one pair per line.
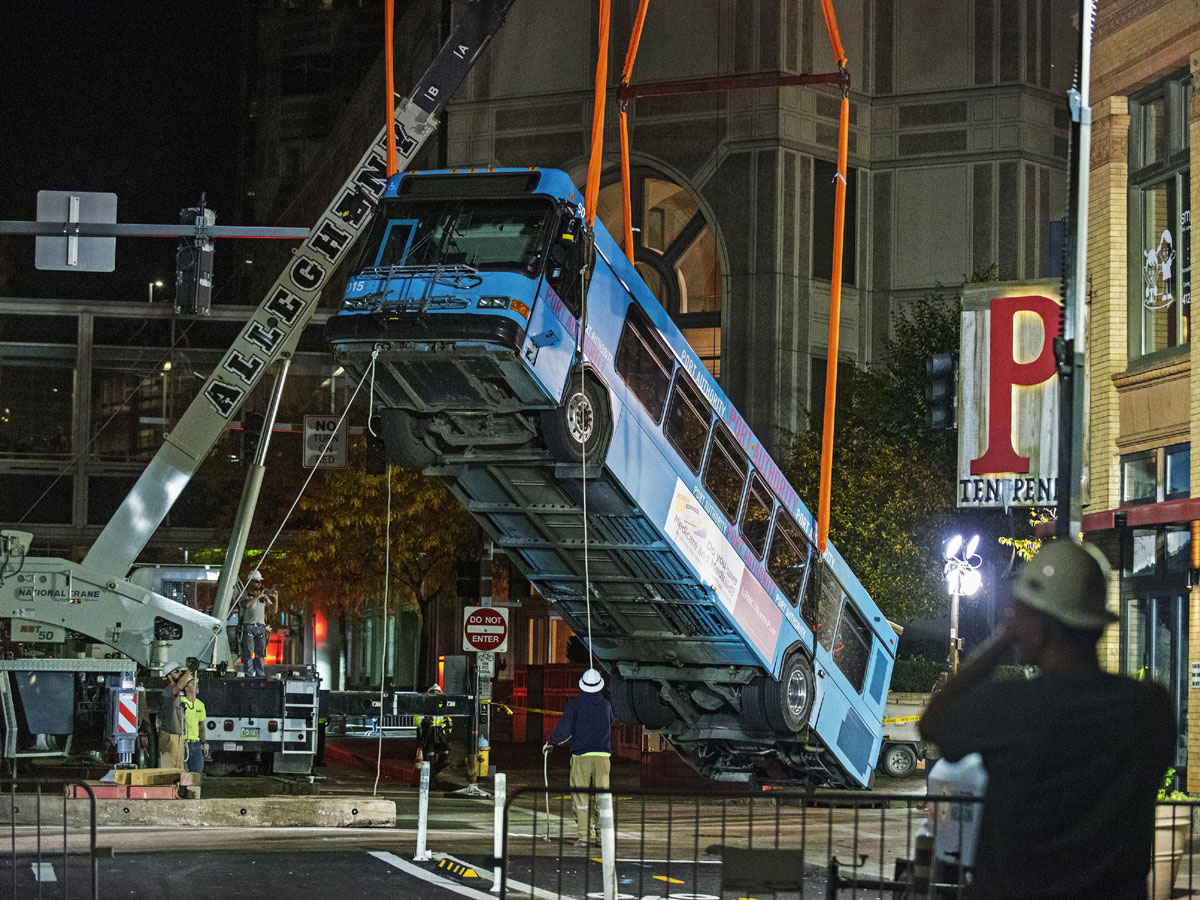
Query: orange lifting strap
x,y
835,290
592,191
626,73
389,18
624,91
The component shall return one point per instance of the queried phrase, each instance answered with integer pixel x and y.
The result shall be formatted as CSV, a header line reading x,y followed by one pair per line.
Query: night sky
x,y
145,100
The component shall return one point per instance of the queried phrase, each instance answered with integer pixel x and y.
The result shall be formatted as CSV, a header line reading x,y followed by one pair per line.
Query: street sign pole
x,y
484,628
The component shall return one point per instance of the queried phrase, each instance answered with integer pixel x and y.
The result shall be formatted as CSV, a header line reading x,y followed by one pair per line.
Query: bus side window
x,y
687,422
788,559
822,603
645,362
756,517
852,647
725,473
563,262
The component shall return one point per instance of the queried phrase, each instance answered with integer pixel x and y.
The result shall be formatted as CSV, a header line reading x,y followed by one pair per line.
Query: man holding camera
x,y
254,626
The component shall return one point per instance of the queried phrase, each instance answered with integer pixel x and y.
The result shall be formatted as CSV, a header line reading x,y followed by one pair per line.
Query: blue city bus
x,y
719,623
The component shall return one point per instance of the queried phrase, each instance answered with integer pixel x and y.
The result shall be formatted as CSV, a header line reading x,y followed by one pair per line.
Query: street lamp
x,y
962,580
150,290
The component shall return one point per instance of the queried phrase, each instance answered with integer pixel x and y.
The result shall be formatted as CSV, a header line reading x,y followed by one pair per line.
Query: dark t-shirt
x,y
170,712
1074,765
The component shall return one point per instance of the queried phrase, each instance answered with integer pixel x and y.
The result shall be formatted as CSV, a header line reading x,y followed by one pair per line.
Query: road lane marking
x,y
416,871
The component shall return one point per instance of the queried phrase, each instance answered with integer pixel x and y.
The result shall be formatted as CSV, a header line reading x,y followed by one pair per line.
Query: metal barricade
x,y
775,844
51,829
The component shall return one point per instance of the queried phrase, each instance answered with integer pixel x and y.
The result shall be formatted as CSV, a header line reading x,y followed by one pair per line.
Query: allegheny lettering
x,y
244,367
285,304
329,241
223,397
307,274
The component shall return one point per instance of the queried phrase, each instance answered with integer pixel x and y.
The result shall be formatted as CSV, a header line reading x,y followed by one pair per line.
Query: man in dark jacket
x,y
587,724
1074,757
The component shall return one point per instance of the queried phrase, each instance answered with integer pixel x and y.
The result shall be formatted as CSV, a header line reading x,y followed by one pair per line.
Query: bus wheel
x,y
788,701
581,425
753,717
621,692
649,707
402,431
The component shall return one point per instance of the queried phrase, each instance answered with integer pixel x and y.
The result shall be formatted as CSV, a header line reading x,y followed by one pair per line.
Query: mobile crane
x,y
45,703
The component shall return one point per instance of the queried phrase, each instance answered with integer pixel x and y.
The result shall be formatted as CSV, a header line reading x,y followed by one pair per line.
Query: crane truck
x,y
55,706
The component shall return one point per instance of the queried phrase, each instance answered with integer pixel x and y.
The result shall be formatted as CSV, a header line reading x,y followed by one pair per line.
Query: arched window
x,y
675,252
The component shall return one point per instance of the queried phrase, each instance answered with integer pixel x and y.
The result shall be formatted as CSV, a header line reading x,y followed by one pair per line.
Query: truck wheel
x,y
788,701
899,760
582,424
402,433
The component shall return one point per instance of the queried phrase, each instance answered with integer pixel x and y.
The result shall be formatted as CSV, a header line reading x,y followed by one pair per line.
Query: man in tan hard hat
x,y
1074,757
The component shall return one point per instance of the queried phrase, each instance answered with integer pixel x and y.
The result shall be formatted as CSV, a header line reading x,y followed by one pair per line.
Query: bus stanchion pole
x,y
498,789
423,855
608,846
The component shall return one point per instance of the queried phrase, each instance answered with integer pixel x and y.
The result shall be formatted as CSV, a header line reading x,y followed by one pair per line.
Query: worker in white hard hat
x,y
587,724
433,740
254,624
172,722
1074,757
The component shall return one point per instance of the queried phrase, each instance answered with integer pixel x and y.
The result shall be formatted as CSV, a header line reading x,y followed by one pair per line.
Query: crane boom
x,y
94,597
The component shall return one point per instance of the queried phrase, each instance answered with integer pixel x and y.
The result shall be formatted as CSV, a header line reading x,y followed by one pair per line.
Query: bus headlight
x,y
493,303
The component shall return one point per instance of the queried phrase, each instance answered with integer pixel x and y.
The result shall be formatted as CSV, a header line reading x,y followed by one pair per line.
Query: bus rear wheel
x,y
639,703
581,425
788,701
402,433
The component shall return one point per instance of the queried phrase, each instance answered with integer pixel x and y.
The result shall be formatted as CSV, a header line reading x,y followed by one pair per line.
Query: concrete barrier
x,y
312,812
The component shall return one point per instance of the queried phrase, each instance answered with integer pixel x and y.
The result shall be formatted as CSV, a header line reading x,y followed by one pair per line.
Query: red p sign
x,y
1006,373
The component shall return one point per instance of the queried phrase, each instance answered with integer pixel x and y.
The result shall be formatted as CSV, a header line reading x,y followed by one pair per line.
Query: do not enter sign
x,y
485,628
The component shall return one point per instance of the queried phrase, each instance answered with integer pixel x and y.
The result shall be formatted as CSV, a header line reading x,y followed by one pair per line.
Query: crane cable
x,y
591,195
370,373
387,578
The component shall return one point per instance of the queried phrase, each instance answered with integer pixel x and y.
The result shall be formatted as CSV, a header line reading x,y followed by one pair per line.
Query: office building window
x,y
1160,218
675,252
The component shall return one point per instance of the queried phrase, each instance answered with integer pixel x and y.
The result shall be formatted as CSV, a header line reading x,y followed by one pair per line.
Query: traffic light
x,y
941,395
194,264
252,429
376,449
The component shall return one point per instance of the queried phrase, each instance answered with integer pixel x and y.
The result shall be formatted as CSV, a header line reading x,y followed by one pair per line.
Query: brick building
x,y
1144,378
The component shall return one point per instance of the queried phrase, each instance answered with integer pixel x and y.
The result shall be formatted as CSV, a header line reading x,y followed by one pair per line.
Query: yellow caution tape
x,y
524,709
897,720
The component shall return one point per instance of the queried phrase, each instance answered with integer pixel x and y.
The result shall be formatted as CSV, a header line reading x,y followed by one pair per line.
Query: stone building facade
x,y
957,148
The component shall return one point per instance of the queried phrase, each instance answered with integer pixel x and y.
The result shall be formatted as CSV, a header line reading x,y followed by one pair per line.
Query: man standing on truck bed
x,y
254,625
1074,757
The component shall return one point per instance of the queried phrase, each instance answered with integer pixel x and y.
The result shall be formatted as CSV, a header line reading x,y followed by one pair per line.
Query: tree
x,y
893,479
336,561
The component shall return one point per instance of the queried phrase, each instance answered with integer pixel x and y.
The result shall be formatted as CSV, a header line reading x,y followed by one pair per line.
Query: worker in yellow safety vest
x,y
433,738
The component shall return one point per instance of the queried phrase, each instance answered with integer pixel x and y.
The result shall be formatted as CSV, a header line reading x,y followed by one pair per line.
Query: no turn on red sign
x,y
485,628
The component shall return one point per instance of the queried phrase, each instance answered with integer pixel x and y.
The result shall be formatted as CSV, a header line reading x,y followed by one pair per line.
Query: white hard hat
x,y
1067,581
434,689
170,667
256,575
591,682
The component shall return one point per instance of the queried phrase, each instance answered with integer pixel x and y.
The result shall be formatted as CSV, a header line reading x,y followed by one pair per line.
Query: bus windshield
x,y
499,234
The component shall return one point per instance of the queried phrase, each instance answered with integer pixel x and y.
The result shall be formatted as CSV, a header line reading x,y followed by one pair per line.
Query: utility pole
x,y
1069,348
